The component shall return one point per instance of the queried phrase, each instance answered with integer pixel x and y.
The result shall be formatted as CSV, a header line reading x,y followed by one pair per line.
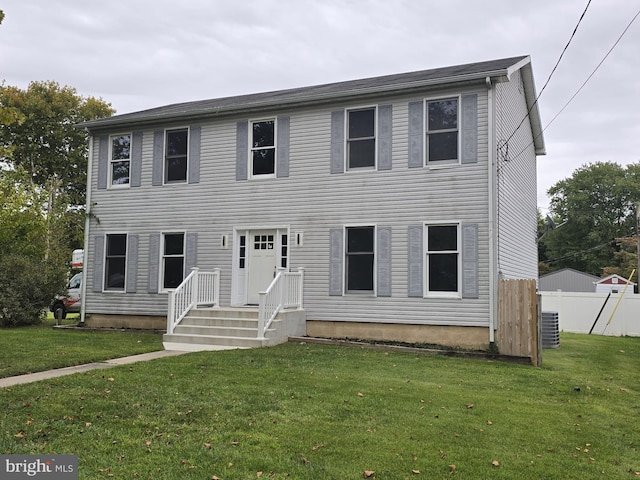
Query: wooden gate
x,y
518,320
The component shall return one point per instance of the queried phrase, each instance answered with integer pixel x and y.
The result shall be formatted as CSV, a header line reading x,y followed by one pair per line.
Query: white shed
x,y
614,284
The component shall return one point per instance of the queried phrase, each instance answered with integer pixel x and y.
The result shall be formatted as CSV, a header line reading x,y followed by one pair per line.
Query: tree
x,y
29,279
595,206
42,138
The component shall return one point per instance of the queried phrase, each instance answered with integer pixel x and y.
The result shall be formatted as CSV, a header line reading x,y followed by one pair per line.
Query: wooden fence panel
x,y
518,322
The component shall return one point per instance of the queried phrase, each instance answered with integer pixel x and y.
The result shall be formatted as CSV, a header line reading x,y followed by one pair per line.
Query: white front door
x,y
262,262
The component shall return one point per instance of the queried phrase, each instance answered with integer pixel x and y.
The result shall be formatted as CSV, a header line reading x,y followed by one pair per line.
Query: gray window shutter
x,y
383,256
416,134
98,262
385,135
103,161
135,170
470,260
195,133
337,141
158,158
282,167
242,150
335,260
415,257
132,264
191,255
154,263
469,127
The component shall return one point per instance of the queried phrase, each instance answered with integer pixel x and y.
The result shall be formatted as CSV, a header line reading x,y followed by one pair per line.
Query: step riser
x,y
218,322
212,340
249,313
217,331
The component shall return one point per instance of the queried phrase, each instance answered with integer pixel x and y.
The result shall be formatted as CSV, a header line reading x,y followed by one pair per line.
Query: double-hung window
x,y
443,259
359,259
115,262
176,154
172,260
361,138
263,147
442,131
120,159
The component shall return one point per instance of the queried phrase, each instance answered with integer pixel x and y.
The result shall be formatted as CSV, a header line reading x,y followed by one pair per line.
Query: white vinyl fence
x,y
578,311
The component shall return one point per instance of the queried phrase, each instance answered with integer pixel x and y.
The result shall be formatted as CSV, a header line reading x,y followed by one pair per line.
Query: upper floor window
x,y
361,138
120,159
176,150
263,147
172,260
443,258
359,259
115,262
442,131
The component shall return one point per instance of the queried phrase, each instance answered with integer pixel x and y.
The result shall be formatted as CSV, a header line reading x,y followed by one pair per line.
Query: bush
x,y
27,286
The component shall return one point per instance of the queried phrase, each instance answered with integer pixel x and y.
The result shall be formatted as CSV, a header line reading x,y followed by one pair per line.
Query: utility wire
x,y
551,74
615,44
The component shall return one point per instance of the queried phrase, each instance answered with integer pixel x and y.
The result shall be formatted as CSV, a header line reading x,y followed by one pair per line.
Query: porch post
x,y
300,287
216,287
194,287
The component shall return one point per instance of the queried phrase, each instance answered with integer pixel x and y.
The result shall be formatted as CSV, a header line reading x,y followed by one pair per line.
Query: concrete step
x,y
207,321
218,331
208,342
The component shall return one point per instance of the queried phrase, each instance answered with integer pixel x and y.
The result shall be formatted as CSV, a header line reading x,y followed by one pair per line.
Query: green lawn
x,y
305,411
37,348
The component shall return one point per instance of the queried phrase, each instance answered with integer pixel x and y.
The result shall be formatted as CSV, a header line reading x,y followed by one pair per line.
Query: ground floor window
x,y
172,260
359,259
443,258
115,262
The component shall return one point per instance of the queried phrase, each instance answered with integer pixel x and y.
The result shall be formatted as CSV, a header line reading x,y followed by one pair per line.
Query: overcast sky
x,y
139,54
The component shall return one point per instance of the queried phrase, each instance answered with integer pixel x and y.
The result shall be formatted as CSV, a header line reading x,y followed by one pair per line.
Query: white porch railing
x,y
199,288
285,291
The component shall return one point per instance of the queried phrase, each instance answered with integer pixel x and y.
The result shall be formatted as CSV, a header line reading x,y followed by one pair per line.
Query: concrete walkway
x,y
61,372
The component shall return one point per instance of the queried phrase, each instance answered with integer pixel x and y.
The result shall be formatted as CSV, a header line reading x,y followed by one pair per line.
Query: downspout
x,y
87,222
493,178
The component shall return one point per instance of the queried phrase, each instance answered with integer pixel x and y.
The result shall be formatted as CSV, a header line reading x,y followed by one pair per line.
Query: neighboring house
x,y
567,280
405,199
614,284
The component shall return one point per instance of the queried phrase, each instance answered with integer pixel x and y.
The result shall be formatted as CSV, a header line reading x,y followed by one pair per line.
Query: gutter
x,y
87,223
492,173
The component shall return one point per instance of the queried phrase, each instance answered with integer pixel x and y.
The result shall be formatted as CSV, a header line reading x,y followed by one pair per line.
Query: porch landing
x,y
224,328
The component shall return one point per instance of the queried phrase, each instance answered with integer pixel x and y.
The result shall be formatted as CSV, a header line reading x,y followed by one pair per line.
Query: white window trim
x,y
104,264
161,288
346,139
164,155
362,293
110,183
425,273
425,147
251,149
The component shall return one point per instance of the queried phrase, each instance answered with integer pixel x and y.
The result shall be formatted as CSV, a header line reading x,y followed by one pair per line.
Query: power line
x,y
551,74
615,44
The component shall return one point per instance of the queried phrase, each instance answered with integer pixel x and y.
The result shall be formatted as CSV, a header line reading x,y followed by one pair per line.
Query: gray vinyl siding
x,y
516,185
310,200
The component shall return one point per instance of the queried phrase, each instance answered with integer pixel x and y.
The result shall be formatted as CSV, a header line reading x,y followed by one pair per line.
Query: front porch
x,y
196,321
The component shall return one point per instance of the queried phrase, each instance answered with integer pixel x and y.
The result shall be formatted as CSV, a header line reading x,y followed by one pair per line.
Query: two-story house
x,y
387,207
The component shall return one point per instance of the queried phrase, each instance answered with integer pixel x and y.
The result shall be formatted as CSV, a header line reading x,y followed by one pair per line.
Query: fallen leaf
x,y
215,477
19,435
469,405
495,463
360,394
258,474
489,422
452,467
368,473
416,472
207,445
111,379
